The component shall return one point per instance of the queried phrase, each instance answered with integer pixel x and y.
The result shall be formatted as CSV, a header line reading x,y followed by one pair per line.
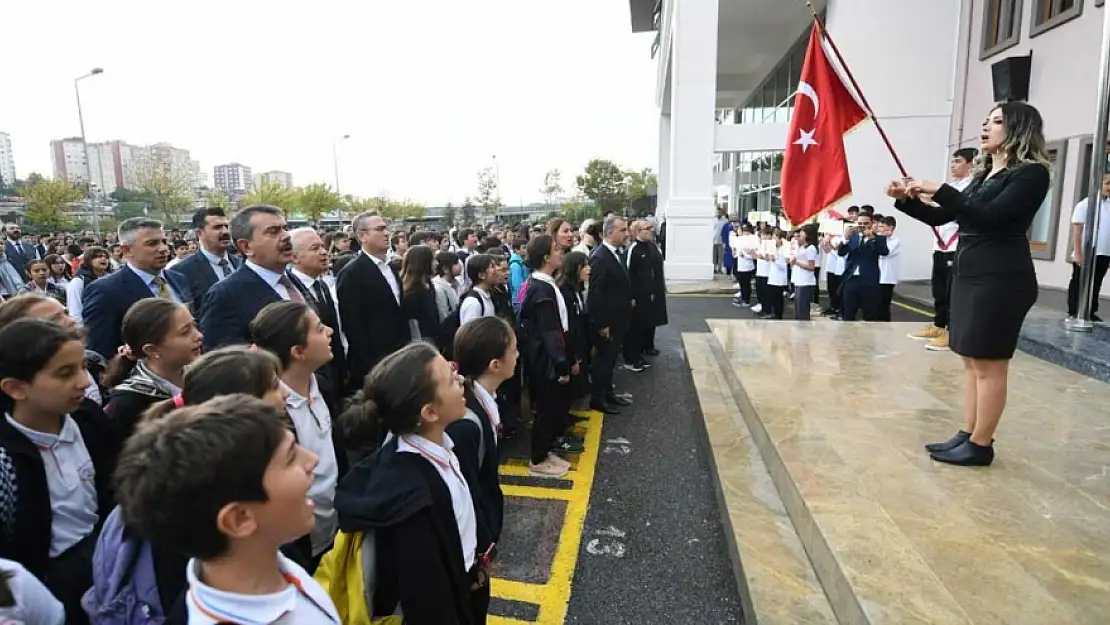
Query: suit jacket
x,y
336,370
106,300
18,254
863,254
202,276
609,298
230,306
372,318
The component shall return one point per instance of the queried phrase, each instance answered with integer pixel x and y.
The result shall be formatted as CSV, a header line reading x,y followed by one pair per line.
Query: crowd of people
x,y
251,424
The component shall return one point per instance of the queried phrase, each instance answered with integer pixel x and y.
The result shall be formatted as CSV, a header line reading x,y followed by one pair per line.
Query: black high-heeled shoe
x,y
967,455
949,444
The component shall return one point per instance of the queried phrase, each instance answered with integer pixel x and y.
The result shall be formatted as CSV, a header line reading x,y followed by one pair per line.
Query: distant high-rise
x,y
283,178
68,157
7,160
232,178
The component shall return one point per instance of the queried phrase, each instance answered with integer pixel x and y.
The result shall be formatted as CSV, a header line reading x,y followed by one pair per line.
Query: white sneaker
x,y
559,460
548,469
758,308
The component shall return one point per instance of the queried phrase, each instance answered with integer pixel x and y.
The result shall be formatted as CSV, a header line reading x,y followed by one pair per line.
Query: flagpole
x,y
859,92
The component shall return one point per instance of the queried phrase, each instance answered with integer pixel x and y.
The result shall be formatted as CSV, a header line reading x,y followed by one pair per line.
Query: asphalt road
x,y
652,547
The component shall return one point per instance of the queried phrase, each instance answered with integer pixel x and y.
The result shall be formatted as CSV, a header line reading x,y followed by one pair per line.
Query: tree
x,y
127,210
216,199
488,196
449,215
410,209
552,188
638,183
48,202
170,191
466,213
604,183
576,211
317,200
353,205
273,194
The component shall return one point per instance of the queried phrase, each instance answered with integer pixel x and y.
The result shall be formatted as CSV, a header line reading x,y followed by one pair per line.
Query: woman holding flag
x,y
993,281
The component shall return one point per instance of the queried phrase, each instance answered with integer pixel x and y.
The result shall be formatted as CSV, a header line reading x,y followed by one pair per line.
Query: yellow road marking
x,y
553,598
919,311
501,620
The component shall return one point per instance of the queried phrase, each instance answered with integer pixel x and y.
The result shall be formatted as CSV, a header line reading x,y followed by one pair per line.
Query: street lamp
x,y
85,147
335,164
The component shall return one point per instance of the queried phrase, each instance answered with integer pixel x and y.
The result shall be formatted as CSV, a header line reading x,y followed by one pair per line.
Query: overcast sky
x,y
429,90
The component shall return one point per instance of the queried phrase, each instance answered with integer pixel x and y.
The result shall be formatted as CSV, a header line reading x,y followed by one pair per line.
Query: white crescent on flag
x,y
805,139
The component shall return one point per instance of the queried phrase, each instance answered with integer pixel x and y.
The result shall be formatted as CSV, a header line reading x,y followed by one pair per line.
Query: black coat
x,y
420,306
230,306
328,312
201,276
610,294
372,318
545,345
106,300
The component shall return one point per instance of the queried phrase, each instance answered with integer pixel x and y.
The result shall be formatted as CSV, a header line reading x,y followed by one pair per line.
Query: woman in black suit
x,y
418,300
993,281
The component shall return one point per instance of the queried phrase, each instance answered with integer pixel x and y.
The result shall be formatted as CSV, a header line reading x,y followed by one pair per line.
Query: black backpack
x,y
450,326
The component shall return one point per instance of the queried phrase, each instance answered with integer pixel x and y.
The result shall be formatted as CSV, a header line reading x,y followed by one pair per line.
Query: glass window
x,y
1048,14
1043,230
1001,26
782,91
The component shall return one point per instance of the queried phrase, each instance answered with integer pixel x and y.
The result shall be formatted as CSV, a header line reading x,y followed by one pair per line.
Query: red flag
x,y
815,169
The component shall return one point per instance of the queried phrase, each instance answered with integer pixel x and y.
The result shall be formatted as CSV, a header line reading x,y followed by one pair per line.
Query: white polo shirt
x,y
1079,216
777,273
447,465
890,266
472,309
801,276
313,423
302,602
71,480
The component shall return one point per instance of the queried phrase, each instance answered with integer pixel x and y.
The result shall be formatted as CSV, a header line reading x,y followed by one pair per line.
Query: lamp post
x,y
85,147
1082,322
335,164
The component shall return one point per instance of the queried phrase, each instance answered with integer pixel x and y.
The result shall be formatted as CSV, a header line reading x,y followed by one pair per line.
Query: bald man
x,y
311,262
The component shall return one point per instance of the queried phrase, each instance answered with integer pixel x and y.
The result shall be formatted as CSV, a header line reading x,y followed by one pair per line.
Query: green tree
x,y
552,188
466,213
489,197
317,200
170,191
576,211
273,194
604,183
449,215
639,183
410,209
217,199
127,210
353,205
48,202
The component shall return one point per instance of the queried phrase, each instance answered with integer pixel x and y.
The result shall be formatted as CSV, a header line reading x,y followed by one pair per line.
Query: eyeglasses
x,y
374,229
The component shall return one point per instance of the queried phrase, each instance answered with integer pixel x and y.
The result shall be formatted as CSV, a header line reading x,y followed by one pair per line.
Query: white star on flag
x,y
805,139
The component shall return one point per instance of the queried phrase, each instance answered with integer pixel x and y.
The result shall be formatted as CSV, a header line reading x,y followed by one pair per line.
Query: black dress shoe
x,y
949,444
651,352
968,454
605,408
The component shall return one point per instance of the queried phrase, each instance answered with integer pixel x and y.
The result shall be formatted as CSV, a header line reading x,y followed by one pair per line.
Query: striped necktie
x,y
163,288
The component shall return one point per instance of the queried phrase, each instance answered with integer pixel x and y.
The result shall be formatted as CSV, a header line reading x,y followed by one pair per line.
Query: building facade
x,y
7,160
68,159
232,178
727,71
282,178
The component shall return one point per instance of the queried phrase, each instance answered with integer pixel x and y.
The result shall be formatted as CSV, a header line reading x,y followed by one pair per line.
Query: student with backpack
x,y
408,541
518,271
475,302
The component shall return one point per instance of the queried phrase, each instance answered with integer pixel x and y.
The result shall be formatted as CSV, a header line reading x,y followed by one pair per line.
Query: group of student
x,y
862,265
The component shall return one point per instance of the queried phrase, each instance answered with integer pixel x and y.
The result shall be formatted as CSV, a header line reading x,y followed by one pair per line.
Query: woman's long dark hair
x,y
225,371
26,346
572,267
147,322
417,269
279,327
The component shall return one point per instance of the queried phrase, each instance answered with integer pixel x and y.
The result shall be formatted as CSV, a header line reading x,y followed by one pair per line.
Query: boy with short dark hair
x,y
226,483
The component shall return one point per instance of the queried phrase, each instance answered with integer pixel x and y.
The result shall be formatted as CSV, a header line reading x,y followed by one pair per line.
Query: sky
x,y
429,90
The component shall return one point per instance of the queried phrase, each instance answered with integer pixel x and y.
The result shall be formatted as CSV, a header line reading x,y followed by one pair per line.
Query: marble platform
x,y
1043,335
838,414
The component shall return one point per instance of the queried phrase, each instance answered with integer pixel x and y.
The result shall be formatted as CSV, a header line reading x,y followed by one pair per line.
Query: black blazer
x,y
489,502
336,370
230,306
18,254
863,254
26,515
609,298
421,308
372,319
198,271
106,300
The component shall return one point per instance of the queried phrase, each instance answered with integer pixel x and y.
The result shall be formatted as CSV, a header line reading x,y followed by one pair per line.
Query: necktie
x,y
321,295
163,288
224,267
294,292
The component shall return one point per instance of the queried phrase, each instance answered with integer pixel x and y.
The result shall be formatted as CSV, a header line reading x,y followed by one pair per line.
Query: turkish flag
x,y
815,169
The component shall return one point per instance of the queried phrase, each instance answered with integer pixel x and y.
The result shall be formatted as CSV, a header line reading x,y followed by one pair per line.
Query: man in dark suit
x,y
212,261
370,301
262,236
860,283
311,262
106,300
17,252
609,301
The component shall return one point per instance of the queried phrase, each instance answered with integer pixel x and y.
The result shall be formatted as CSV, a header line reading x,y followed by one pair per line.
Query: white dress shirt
x,y
302,602
148,280
890,266
271,278
447,465
214,262
1102,225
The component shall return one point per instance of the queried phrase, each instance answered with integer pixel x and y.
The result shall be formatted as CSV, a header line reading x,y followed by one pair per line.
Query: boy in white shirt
x,y
226,483
1102,249
777,277
763,257
889,265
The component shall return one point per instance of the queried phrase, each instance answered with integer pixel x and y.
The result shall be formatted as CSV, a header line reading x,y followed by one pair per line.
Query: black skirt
x,y
987,313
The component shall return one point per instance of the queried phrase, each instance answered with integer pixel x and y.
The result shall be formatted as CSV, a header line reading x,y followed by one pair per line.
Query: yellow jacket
x,y
342,575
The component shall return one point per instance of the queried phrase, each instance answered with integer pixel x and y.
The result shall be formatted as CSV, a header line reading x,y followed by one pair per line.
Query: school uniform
x,y
762,270
777,279
805,281
545,320
1102,255
475,306
312,421
890,268
303,601
745,264
834,270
